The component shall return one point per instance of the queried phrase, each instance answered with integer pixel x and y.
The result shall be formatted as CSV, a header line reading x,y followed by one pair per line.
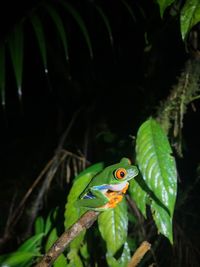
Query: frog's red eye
x,y
120,173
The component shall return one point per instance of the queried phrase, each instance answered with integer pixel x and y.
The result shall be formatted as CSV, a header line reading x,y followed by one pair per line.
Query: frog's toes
x,y
125,188
116,199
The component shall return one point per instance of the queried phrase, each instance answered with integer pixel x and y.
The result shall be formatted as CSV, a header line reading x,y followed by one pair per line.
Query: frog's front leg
x,y
94,199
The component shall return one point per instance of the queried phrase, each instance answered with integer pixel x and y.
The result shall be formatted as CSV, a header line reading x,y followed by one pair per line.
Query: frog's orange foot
x,y
125,188
115,200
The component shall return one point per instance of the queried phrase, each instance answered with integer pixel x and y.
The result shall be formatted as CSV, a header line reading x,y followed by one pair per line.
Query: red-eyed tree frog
x,y
107,188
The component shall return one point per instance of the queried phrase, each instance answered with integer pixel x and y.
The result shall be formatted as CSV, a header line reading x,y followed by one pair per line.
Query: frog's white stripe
x,y
105,187
117,187
112,187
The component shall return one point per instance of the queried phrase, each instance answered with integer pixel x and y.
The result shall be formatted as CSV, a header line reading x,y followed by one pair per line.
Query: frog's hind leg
x,y
93,199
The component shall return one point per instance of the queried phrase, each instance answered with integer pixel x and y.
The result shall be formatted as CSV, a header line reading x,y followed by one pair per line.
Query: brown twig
x,y
139,254
63,241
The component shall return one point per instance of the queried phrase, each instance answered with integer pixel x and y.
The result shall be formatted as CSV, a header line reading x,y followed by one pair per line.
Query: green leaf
x,y
138,194
163,220
52,237
75,14
38,28
106,22
156,163
60,261
84,251
50,221
75,260
39,225
2,74
18,259
15,41
113,225
190,16
72,212
32,244
60,27
122,261
163,4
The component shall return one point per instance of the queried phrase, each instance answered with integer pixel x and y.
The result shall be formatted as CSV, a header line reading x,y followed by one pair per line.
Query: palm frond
x,y
15,41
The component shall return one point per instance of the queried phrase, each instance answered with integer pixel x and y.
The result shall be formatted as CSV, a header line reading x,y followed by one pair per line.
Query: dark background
x,y
114,92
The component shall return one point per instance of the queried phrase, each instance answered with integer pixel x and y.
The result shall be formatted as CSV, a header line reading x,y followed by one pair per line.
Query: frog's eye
x,y
120,173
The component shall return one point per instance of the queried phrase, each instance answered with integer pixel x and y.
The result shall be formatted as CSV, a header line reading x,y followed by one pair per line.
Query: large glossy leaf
x,y
15,41
39,32
113,225
190,16
72,212
162,219
60,27
75,14
156,163
158,170
163,4
2,74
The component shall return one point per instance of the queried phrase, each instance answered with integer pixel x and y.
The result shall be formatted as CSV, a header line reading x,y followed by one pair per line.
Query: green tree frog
x,y
107,188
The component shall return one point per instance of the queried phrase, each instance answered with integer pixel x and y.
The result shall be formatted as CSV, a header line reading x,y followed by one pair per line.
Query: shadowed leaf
x,y
2,74
190,15
106,22
15,42
60,27
38,28
138,194
130,11
163,4
81,24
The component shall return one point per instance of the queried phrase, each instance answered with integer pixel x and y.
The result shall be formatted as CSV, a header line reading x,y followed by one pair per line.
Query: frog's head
x,y
122,172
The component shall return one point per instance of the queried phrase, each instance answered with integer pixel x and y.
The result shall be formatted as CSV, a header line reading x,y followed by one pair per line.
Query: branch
x,y
139,254
64,240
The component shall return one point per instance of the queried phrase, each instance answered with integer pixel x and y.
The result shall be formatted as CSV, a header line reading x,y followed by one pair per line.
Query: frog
x,y
107,188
